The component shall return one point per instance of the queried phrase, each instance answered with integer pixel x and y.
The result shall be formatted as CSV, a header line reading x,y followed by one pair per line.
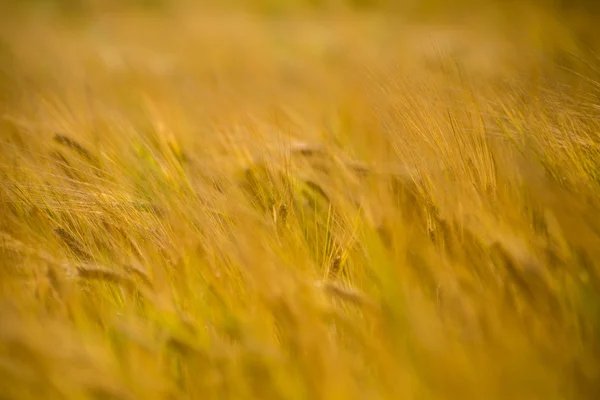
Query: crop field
x,y
299,200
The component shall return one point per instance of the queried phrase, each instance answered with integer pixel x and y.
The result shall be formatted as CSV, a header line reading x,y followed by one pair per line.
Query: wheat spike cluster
x,y
299,200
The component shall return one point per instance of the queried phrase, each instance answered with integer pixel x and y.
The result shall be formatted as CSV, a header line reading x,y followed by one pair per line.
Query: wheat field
x,y
290,203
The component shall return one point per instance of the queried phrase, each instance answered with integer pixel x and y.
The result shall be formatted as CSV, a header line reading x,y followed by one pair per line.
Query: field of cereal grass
x,y
291,203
